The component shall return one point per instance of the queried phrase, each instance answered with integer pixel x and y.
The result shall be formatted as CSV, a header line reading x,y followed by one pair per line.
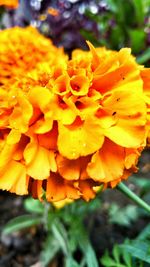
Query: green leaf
x,y
116,253
78,210
113,6
141,182
137,40
146,4
127,259
70,262
139,10
107,261
73,241
117,37
138,249
60,234
33,206
21,222
145,234
117,261
50,249
143,58
90,37
123,216
126,256
87,249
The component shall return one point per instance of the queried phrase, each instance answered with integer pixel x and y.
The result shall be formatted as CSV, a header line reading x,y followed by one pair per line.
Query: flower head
x,y
68,128
21,49
9,3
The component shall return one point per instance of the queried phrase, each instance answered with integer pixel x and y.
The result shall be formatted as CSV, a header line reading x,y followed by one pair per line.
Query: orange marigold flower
x,y
22,49
145,74
9,3
68,128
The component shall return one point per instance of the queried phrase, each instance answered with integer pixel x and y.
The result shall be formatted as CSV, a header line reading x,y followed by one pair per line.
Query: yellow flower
x,y
60,204
70,127
9,3
22,49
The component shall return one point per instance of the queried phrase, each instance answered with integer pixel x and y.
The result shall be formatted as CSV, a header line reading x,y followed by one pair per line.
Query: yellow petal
x,y
14,179
21,115
30,150
13,137
40,97
130,113
79,140
39,167
79,85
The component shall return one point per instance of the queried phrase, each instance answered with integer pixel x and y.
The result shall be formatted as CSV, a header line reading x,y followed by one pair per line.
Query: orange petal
x,y
36,189
49,140
57,190
86,188
96,58
122,75
107,164
68,169
52,160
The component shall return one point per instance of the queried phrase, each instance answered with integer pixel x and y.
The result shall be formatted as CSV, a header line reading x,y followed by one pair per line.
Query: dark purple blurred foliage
x,y
64,28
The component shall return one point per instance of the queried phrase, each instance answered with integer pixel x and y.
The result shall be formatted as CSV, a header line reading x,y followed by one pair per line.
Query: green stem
x,y
124,189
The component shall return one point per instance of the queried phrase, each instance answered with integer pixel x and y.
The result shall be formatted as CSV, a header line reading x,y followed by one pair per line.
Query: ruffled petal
x,y
39,167
80,139
57,189
14,178
107,164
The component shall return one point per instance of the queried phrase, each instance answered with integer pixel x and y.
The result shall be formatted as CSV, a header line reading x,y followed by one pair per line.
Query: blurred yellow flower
x,y
9,3
22,49
60,204
69,127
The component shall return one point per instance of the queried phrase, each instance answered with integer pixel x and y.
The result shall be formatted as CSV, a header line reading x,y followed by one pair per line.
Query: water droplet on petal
x,y
74,153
